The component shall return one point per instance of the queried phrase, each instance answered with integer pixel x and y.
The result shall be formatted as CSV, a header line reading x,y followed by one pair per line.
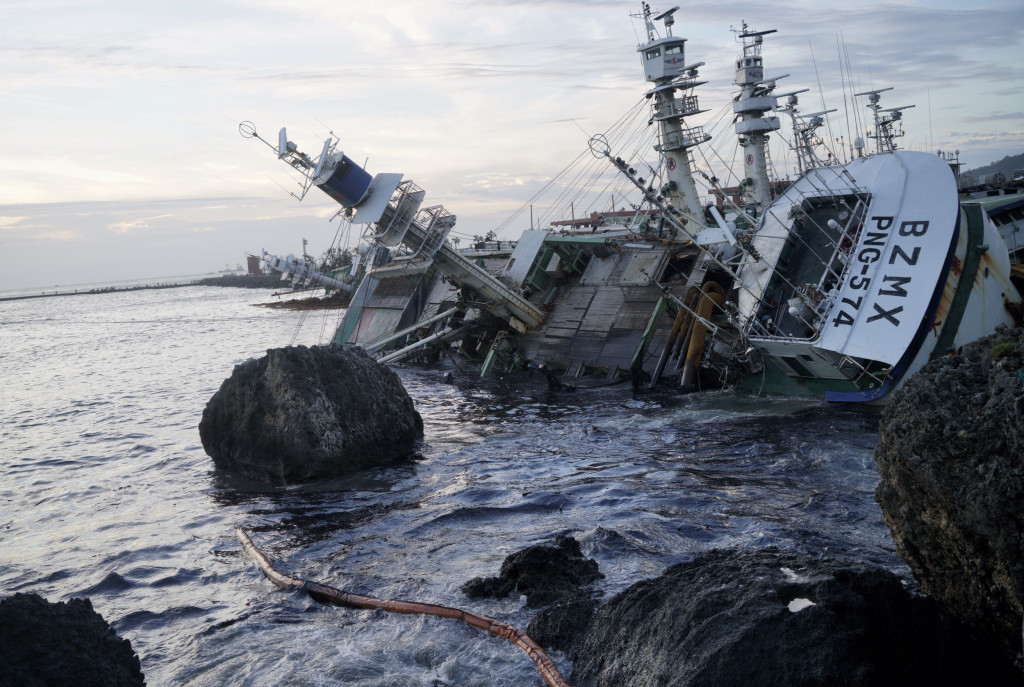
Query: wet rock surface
x,y
300,414
562,624
952,490
774,618
544,573
43,643
555,578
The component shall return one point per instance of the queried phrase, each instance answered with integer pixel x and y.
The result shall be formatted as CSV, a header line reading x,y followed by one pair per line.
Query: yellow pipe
x,y
713,296
686,329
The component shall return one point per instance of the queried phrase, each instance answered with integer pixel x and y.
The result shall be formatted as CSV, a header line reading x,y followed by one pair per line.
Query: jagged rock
x,y
560,625
952,489
44,644
766,617
544,573
300,414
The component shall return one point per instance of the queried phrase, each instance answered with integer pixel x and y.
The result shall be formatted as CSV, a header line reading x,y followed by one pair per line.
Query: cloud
x,y
135,224
995,116
7,222
61,235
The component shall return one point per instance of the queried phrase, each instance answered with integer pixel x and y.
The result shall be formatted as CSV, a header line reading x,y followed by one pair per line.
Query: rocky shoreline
x,y
44,644
951,459
743,617
951,462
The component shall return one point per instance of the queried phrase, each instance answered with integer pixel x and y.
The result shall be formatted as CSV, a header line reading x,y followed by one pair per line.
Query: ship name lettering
x,y
897,286
875,238
909,259
871,252
883,222
914,228
869,255
887,314
859,282
842,318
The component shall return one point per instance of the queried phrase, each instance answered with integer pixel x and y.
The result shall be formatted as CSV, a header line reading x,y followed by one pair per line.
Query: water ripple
x,y
105,491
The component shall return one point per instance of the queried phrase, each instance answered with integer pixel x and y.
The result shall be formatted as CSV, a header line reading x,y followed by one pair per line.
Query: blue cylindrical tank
x,y
348,183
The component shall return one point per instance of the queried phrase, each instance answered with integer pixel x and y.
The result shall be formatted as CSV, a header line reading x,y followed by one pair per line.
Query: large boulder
x,y
44,644
952,490
300,414
750,618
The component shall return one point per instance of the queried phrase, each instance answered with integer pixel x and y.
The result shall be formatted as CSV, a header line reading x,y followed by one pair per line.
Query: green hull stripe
x,y
975,236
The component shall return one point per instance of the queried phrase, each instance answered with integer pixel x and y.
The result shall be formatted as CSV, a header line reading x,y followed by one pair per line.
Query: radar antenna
x,y
669,19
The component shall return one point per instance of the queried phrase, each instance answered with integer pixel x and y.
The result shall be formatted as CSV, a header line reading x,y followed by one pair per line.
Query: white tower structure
x,y
665,66
752,128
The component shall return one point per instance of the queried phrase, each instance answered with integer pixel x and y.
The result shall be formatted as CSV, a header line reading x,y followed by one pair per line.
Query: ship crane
x,y
391,210
886,120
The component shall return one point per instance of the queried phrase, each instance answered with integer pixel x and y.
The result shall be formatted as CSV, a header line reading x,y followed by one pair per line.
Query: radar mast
x,y
752,128
664,63
887,120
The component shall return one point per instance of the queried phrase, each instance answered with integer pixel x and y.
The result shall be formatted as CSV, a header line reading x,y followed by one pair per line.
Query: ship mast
x,y
665,66
887,120
805,126
754,100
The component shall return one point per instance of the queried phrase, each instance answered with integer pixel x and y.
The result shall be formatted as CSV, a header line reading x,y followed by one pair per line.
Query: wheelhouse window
x,y
651,54
674,50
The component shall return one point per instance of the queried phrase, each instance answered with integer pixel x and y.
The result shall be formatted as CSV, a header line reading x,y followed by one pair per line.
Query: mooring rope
x,y
330,595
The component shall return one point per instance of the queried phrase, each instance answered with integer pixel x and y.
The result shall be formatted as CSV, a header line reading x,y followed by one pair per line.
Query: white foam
x,y
797,605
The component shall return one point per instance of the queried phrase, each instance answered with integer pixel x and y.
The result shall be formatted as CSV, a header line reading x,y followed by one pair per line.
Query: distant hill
x,y
1008,165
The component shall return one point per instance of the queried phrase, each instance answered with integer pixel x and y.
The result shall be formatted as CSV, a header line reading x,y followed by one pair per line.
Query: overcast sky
x,y
122,159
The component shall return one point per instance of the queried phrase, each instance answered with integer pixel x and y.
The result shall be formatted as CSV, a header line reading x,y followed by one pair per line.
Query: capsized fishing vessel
x,y
840,283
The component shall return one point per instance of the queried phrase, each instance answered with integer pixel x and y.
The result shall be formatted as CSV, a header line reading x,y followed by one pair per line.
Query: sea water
x,y
106,493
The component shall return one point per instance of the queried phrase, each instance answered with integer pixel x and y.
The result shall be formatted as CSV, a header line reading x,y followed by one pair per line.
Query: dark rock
x,y
47,644
338,299
725,619
300,414
247,281
563,623
543,572
952,489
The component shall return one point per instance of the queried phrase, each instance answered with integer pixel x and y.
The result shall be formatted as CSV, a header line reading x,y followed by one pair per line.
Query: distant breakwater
x,y
246,281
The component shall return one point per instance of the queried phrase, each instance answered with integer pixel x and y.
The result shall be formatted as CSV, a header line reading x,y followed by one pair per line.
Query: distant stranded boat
x,y
840,284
